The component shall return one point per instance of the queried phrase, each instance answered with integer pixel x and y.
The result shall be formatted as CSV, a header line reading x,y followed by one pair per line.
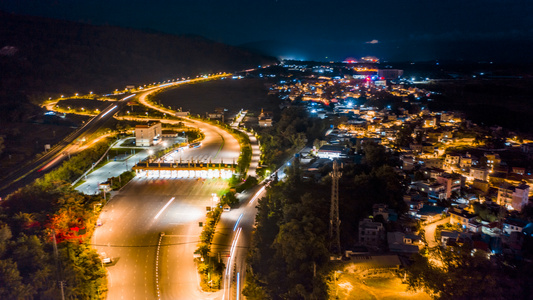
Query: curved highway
x,y
134,220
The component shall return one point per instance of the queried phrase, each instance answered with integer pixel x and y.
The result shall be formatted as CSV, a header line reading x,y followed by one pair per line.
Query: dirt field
x,y
352,287
231,94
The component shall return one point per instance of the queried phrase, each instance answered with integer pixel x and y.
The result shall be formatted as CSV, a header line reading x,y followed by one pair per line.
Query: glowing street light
x,y
214,200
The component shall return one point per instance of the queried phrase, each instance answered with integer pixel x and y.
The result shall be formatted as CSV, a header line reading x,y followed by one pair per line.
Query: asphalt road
x,y
217,146
430,232
232,241
132,223
130,234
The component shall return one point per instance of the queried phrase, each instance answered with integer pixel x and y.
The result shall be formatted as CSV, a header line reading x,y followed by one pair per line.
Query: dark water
x,y
233,95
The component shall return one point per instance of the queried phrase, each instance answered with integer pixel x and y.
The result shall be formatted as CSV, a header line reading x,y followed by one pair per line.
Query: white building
x,y
147,134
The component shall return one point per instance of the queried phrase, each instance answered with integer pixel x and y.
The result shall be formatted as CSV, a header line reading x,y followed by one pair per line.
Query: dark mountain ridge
x,y
40,56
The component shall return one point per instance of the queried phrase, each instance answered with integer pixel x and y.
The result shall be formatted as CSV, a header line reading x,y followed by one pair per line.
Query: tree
x,y
11,286
460,269
403,136
2,146
375,155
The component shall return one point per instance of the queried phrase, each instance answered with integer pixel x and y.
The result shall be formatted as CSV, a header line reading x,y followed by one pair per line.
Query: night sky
x,y
407,30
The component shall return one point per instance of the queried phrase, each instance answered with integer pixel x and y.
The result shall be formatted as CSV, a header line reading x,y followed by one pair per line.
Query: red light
x,y
368,79
382,78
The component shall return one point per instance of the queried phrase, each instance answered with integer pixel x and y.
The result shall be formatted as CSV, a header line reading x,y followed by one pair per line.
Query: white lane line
x,y
163,209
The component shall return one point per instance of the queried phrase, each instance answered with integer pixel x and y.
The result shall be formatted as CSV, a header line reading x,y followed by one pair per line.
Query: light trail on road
x,y
257,195
163,209
232,251
238,285
237,223
112,108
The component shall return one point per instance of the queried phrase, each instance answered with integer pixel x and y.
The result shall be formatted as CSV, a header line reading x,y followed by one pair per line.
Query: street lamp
x,y
214,200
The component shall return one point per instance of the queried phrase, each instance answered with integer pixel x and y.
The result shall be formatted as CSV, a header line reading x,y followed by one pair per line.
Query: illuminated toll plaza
x,y
185,170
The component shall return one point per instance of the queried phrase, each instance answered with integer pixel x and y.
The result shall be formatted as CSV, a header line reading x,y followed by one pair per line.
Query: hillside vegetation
x,y
46,56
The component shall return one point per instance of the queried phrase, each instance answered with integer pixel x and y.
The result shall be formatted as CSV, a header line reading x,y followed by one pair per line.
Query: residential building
x,y
381,209
466,161
433,163
513,197
265,119
493,160
479,174
432,172
404,243
461,217
446,235
451,161
408,162
430,213
527,148
428,148
147,134
430,122
451,182
511,225
416,147
371,233
518,170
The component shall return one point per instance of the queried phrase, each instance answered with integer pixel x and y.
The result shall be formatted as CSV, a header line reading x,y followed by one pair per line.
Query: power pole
x,y
334,222
58,266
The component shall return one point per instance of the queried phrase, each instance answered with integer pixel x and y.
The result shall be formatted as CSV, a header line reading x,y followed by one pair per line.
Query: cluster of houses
x,y
446,180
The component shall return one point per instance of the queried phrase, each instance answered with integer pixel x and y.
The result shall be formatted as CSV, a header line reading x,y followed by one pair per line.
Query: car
x,y
107,260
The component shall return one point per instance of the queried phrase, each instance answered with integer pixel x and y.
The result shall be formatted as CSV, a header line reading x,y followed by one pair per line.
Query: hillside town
x,y
473,181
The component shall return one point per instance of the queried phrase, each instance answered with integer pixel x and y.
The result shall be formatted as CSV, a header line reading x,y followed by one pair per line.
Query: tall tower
x,y
334,222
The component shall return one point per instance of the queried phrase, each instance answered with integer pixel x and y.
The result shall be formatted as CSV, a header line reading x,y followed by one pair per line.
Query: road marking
x,y
163,209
